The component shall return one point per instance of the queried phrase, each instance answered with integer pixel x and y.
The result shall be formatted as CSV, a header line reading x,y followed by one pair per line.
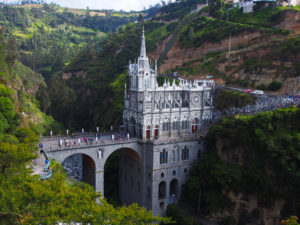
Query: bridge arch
x,y
82,167
123,176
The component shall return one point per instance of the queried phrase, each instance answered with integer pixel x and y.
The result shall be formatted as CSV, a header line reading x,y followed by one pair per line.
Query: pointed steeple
x,y
143,46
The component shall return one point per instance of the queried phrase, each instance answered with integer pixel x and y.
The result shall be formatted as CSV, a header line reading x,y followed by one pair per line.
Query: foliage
x,y
216,8
254,64
210,30
274,86
293,220
49,36
266,17
97,100
262,160
229,98
180,216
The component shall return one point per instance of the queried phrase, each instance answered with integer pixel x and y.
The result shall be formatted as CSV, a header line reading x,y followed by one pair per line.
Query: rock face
x,y
247,205
290,21
177,56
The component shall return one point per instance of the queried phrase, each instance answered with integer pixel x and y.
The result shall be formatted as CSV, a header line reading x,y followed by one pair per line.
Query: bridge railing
x,y
70,145
78,135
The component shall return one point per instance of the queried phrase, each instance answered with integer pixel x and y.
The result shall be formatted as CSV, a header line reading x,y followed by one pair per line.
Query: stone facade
x,y
174,109
162,117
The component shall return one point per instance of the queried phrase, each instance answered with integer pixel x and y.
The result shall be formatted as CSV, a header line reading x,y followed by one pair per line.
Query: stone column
x,y
99,181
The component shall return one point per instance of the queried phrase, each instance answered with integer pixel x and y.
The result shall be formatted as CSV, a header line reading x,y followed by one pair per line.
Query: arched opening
x,y
126,125
174,188
156,132
139,130
122,177
195,125
132,126
162,190
80,167
148,132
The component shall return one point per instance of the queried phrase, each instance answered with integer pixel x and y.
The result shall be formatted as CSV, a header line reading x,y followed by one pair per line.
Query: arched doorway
x,y
132,126
174,188
148,132
156,132
80,167
123,173
195,125
162,190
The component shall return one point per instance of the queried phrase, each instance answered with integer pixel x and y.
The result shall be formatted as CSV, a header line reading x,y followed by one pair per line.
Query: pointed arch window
x,y
163,157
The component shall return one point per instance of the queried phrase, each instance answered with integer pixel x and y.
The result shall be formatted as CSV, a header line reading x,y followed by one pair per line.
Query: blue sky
x,y
126,5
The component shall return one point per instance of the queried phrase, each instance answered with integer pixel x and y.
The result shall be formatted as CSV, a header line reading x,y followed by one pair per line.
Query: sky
x,y
126,5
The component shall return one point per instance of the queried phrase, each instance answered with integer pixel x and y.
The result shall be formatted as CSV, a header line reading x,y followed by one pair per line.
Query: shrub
x,y
274,86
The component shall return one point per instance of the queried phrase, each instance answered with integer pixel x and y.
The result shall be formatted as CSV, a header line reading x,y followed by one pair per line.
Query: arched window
x,y
174,188
162,190
148,132
131,127
185,153
195,125
163,157
162,175
156,132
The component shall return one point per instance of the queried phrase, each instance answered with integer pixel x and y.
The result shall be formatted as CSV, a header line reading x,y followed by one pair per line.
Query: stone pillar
x,y
99,181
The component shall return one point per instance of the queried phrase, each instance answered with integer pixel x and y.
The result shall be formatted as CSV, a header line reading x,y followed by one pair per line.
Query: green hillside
x,y
49,36
252,159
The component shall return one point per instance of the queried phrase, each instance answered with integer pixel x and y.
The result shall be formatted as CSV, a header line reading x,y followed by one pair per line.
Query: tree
x,y
216,8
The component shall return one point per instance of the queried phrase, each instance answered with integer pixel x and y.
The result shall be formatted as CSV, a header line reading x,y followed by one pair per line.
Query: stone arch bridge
x,y
97,153
150,171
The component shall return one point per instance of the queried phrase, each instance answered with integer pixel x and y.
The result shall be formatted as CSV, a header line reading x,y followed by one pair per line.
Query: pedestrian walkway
x,y
39,164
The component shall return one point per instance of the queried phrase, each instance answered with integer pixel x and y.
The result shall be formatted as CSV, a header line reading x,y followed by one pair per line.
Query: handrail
x,y
47,171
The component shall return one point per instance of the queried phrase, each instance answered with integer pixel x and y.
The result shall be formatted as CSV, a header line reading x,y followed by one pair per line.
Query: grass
x,y
267,17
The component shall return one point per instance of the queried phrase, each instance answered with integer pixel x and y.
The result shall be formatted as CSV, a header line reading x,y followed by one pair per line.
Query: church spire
x,y
143,46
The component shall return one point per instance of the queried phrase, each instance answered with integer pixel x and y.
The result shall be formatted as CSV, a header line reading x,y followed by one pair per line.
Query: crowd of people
x,y
91,140
264,103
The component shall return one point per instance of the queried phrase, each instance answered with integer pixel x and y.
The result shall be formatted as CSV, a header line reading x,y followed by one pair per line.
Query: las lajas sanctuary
x,y
171,118
164,124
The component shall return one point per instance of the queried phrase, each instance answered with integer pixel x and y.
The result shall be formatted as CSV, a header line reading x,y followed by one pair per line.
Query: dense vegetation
x,y
227,99
49,36
204,29
97,99
24,198
257,156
